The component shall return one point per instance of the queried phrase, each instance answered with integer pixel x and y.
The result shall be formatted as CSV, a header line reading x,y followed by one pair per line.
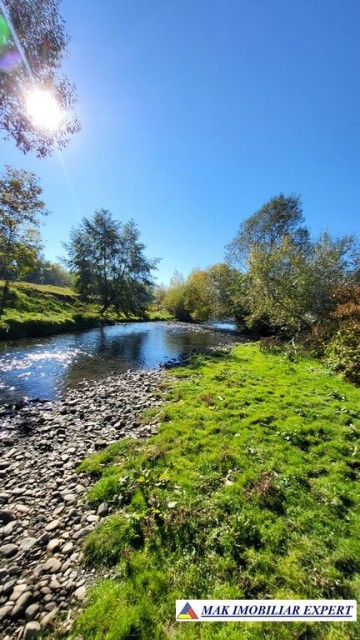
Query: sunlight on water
x,y
8,362
47,367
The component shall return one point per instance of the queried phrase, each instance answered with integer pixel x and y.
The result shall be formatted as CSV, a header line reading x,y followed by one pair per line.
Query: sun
x,y
44,110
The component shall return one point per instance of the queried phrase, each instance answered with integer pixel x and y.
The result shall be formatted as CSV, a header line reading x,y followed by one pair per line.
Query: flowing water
x,y
46,367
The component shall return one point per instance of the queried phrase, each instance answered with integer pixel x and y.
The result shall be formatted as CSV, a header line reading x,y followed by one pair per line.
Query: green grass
x,y
37,310
248,491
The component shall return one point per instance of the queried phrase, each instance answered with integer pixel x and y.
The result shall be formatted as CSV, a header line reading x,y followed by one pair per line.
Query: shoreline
x,y
46,328
43,514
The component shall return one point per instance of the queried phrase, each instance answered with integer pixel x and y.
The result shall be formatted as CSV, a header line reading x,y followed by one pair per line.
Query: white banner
x,y
265,610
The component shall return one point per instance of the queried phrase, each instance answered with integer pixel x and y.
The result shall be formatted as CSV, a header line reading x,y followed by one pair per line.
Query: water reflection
x,y
48,366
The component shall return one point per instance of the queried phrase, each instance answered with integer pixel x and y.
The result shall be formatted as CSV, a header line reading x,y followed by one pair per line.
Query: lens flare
x,y
5,34
44,110
10,60
9,57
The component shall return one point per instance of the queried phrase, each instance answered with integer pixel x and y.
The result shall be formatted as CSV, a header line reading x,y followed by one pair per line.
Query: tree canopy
x,y
108,262
264,230
20,212
33,42
289,277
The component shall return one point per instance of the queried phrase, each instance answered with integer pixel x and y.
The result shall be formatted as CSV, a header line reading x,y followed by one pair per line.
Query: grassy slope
x,y
248,491
36,310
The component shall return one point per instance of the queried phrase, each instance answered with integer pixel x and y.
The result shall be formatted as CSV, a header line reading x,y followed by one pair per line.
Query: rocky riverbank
x,y
43,512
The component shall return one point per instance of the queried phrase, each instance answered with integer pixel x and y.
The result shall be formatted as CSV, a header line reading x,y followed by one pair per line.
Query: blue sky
x,y
196,112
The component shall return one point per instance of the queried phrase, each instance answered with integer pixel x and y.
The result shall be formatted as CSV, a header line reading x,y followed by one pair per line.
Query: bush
x,y
343,351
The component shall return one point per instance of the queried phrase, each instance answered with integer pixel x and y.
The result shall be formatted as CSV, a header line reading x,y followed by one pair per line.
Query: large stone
x,y
52,565
67,548
44,539
92,518
6,517
4,612
48,618
103,509
9,528
22,508
31,630
21,604
52,525
53,546
4,574
80,593
9,550
32,611
8,587
70,498
82,532
27,543
100,444
18,590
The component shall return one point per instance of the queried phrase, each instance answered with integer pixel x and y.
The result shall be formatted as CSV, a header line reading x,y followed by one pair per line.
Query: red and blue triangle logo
x,y
187,613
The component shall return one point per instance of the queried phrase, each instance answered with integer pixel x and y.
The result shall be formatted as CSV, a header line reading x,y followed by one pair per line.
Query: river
x,y
47,367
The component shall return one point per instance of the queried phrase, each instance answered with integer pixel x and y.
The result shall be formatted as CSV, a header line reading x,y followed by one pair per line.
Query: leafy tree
x,y
20,212
292,287
212,292
108,261
32,46
175,298
333,264
265,229
46,272
289,278
197,295
158,296
225,286
277,286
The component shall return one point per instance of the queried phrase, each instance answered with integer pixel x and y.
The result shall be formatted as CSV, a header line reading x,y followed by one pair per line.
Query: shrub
x,y
343,351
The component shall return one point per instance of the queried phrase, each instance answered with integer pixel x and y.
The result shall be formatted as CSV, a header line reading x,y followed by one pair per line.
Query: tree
x,y
174,300
225,286
292,287
108,261
32,46
197,297
46,272
264,230
158,296
290,278
20,212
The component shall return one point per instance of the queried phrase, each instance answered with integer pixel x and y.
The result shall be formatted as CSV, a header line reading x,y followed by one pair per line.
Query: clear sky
x,y
195,112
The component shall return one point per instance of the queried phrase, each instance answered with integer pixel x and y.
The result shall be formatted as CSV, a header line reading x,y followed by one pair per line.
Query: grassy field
x,y
39,310
248,491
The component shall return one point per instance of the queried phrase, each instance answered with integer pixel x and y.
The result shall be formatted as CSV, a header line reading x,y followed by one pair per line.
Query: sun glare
x,y
44,110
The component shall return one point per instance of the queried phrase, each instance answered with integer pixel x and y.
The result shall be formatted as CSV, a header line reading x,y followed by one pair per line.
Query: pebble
x,y
67,548
44,515
4,612
80,593
53,546
103,509
32,611
6,517
32,629
52,525
52,565
21,604
27,543
9,550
